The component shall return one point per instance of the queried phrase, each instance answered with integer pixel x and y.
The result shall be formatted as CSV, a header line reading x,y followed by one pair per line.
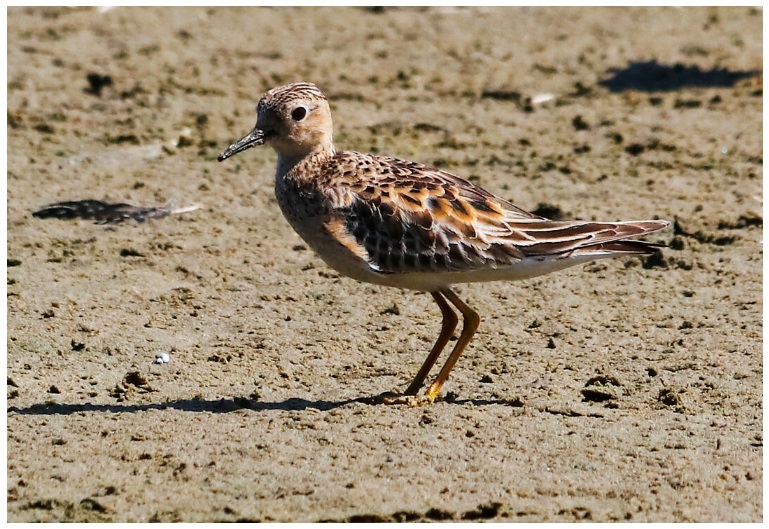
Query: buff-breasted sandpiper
x,y
407,225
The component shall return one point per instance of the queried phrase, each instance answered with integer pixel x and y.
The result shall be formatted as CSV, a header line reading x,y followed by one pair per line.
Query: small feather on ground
x,y
106,213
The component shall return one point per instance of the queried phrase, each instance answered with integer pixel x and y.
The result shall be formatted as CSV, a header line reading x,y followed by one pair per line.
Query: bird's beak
x,y
252,139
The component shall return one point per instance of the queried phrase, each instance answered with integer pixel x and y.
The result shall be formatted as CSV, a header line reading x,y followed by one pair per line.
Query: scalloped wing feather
x,y
412,218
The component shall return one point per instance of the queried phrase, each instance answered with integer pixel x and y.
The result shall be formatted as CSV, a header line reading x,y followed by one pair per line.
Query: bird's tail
x,y
627,247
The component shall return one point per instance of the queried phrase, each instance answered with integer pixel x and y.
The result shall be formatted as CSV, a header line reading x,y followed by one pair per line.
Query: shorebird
x,y
403,224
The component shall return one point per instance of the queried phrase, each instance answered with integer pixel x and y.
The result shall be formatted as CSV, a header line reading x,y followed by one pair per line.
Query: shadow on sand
x,y
651,76
218,406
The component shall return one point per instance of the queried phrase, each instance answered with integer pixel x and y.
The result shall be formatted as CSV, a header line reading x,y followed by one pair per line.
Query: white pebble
x,y
162,358
542,98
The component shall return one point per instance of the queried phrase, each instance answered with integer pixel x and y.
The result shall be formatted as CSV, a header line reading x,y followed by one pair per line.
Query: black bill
x,y
252,139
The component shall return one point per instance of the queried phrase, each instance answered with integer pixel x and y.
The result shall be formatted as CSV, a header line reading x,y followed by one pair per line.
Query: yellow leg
x,y
448,325
471,320
470,325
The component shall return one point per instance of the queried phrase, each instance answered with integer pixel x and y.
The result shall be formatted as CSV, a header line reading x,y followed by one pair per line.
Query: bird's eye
x,y
299,113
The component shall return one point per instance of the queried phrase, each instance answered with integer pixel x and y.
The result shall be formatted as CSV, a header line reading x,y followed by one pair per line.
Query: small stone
x,y
162,358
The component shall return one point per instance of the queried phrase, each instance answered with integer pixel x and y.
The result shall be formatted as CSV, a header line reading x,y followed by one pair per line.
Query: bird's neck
x,y
297,164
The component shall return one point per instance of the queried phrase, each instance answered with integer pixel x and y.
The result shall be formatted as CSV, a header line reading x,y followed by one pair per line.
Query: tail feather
x,y
587,238
627,247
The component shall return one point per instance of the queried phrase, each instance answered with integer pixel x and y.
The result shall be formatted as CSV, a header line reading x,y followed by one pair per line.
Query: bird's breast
x,y
322,227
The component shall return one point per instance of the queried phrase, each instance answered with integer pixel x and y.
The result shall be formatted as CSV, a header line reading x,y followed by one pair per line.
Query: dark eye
x,y
298,113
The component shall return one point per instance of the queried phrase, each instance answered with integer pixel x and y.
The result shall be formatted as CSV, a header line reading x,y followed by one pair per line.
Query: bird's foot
x,y
393,398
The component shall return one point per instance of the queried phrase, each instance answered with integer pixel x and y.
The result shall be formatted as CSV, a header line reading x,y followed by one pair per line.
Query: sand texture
x,y
621,390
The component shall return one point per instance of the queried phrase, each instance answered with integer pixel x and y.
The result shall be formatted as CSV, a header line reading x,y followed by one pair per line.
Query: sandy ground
x,y
622,390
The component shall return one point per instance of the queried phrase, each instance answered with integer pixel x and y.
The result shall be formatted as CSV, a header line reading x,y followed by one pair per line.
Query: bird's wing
x,y
408,217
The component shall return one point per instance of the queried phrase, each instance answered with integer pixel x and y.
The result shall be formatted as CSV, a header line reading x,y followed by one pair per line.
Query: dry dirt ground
x,y
620,390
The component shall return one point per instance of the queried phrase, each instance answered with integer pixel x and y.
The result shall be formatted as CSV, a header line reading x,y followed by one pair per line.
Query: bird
x,y
404,224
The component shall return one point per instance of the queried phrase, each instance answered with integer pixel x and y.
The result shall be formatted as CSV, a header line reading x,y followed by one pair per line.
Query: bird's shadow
x,y
225,405
651,76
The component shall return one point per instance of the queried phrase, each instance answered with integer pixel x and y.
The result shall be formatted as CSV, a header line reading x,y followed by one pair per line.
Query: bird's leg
x,y
470,325
448,325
